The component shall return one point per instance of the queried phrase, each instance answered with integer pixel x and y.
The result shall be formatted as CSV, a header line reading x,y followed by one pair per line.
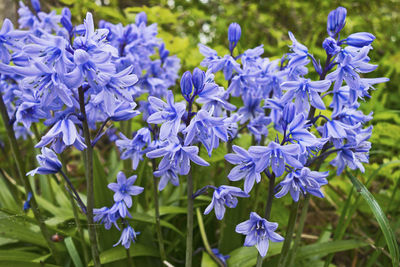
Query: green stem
x,y
300,228
129,258
189,222
157,215
289,234
89,181
205,239
25,181
268,207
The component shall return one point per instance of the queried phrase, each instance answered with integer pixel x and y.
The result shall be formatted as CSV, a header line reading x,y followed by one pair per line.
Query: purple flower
x,y
27,204
245,169
360,39
258,233
167,175
62,134
303,181
124,189
305,93
336,21
276,156
223,258
177,157
128,235
106,217
168,114
48,162
224,196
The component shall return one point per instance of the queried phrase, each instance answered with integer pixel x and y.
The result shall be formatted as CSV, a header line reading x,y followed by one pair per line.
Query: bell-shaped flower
x,y
48,162
124,189
128,235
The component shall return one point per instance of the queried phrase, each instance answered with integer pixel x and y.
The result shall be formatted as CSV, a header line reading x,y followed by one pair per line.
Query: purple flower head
x,y
276,156
168,114
106,217
234,33
124,189
303,181
48,162
258,232
36,5
224,196
299,55
167,175
176,156
360,39
141,18
331,46
336,21
187,85
305,93
245,169
198,79
62,134
128,235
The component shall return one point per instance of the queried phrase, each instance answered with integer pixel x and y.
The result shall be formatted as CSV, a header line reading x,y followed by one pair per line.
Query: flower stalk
x,y
89,181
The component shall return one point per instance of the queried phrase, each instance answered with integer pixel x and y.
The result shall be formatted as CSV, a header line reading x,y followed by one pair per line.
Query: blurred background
x,y
185,23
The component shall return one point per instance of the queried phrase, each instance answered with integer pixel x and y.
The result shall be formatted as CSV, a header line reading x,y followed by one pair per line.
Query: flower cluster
x,y
123,192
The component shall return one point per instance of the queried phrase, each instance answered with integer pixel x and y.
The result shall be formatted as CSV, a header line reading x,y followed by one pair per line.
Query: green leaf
x,y
380,217
73,253
207,261
17,227
15,255
165,210
119,253
26,264
142,217
322,249
247,256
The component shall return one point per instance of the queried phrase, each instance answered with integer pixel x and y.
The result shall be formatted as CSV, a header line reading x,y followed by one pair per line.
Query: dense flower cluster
x,y
50,68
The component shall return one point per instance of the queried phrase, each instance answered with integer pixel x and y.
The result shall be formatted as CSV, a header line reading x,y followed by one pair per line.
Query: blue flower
x,y
177,157
167,175
224,196
360,39
305,93
134,148
104,216
276,156
258,233
303,181
128,235
48,162
336,21
168,114
187,85
234,32
124,189
27,204
330,46
62,134
223,258
245,169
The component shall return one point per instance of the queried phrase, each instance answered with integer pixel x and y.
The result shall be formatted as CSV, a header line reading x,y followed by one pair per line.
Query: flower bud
x,y
289,111
360,39
186,84
141,18
330,46
66,19
234,32
198,80
336,21
36,5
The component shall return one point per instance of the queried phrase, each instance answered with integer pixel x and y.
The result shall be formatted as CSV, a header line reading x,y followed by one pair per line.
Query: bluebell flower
x,y
62,134
187,85
124,189
134,148
8,38
210,55
234,33
258,233
302,181
299,55
305,93
336,129
104,216
251,58
168,115
336,21
276,156
220,256
27,204
117,110
330,46
177,157
141,18
258,126
360,39
224,196
36,5
251,108
207,129
48,162
297,131
120,210
245,169
167,175
128,235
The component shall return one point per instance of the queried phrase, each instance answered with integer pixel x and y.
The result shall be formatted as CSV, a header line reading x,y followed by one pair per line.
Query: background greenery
x,y
343,216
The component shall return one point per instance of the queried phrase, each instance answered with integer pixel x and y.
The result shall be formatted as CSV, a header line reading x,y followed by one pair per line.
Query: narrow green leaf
x,y
142,217
380,217
119,253
26,264
73,253
247,256
322,249
15,255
